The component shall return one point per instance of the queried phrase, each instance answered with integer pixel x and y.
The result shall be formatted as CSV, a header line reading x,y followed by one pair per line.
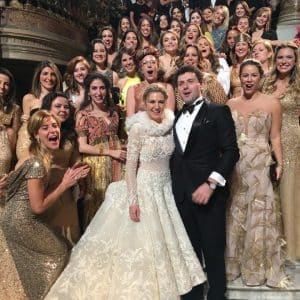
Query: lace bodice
x,y
150,146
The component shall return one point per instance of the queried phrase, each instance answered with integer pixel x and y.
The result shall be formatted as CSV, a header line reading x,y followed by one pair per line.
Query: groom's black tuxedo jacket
x,y
211,147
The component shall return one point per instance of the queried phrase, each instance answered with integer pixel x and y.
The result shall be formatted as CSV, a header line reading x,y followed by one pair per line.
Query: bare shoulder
x,y
233,102
28,98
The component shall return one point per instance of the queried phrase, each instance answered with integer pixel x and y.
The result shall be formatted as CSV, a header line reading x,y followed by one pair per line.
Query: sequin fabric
x,y
120,259
100,133
36,254
254,239
290,182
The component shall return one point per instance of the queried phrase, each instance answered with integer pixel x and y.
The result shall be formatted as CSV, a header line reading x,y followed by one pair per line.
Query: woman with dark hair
x,y
177,12
123,27
147,33
77,69
241,9
63,216
46,78
126,66
31,254
176,26
97,124
131,40
163,23
254,239
228,44
9,122
99,61
109,38
149,69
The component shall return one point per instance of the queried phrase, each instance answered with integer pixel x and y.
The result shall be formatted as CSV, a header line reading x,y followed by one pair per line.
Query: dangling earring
x,y
38,140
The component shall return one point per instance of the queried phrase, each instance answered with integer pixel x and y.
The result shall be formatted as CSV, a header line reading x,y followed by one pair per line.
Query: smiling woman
x,y
254,238
137,223
62,217
149,68
46,78
97,124
43,256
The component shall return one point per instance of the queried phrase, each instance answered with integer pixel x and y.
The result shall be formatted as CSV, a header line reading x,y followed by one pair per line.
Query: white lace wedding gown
x,y
120,259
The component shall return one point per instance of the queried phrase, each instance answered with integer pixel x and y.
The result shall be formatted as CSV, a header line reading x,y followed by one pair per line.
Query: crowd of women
x,y
68,141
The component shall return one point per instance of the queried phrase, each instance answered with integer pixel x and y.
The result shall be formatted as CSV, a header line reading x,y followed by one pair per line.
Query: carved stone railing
x,y
35,35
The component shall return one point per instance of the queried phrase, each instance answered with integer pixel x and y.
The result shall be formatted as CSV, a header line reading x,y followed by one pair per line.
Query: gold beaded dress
x,y
6,119
37,255
254,239
100,132
62,216
289,188
117,258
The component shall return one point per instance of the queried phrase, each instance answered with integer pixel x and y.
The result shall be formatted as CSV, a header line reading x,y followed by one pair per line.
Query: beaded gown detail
x,y
6,119
289,188
100,132
254,240
120,259
62,216
33,255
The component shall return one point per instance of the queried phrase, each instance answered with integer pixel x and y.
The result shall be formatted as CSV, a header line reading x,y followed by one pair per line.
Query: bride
x,y
144,253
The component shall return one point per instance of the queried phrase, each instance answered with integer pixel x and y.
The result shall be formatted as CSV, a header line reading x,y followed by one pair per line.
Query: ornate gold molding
x,y
34,35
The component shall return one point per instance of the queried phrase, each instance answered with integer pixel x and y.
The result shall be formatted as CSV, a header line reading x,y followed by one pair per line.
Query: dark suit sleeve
x,y
229,152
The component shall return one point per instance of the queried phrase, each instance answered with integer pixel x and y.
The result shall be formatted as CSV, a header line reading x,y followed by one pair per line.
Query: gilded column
x,y
289,12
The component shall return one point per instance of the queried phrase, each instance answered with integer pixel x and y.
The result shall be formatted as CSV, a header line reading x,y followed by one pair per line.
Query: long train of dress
x,y
120,259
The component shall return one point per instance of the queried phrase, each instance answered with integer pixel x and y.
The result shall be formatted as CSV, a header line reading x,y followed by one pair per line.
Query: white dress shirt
x,y
183,128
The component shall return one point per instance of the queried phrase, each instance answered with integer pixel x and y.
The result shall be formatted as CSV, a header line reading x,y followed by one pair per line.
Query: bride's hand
x,y
134,212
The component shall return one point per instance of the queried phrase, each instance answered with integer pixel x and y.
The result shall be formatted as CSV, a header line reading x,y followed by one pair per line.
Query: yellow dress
x,y
104,169
33,255
62,216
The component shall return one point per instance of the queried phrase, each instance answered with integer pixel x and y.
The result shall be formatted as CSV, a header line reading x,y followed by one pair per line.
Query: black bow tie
x,y
190,107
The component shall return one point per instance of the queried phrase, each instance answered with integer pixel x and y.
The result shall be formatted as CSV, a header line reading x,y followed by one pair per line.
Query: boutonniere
x,y
206,121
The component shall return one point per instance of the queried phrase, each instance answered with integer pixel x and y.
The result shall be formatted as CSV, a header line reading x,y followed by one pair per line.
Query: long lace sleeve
x,y
133,153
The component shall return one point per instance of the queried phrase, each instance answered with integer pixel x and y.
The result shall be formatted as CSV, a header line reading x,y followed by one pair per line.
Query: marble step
x,y
237,291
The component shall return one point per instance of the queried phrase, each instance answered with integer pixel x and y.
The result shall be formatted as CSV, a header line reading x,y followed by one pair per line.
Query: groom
x,y
205,154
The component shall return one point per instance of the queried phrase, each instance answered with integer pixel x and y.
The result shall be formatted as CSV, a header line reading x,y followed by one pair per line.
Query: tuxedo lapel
x,y
176,140
196,124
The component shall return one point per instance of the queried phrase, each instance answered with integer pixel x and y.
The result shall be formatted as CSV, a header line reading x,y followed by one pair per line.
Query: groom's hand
x,y
202,194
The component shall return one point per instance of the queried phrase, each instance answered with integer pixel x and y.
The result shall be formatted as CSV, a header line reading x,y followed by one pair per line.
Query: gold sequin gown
x,y
289,188
32,255
62,216
6,119
235,83
120,259
254,240
101,133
